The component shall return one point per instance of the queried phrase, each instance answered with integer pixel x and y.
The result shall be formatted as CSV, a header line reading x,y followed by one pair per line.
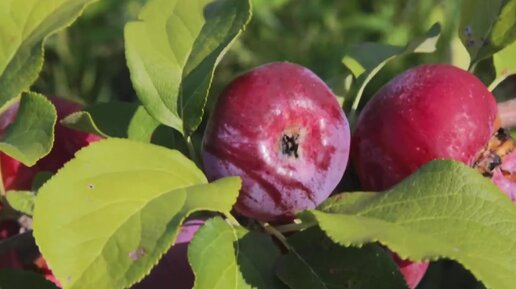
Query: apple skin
x,y
426,113
412,271
173,270
281,129
43,268
17,176
504,176
10,259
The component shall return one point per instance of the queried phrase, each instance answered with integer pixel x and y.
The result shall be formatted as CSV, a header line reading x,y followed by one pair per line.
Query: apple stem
x,y
295,227
230,219
191,151
354,108
283,240
497,81
507,113
472,67
352,119
274,232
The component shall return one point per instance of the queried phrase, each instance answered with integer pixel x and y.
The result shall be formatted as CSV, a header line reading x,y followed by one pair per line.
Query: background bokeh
x,y
86,62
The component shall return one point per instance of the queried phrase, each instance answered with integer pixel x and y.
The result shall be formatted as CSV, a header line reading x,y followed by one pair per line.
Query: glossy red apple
x,y
426,113
17,176
281,129
173,271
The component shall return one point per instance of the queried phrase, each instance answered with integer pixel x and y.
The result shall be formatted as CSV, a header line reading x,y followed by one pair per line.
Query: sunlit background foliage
x,y
87,62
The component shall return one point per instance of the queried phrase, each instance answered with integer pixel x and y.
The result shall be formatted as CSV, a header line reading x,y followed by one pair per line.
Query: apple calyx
x,y
290,141
491,156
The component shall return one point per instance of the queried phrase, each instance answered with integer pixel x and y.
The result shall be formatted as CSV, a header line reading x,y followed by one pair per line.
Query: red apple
x,y
429,112
281,129
504,176
43,268
413,272
173,270
10,259
426,113
17,176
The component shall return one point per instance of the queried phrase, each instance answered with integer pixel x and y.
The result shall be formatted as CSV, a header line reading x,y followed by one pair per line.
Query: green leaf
x,y
172,52
445,210
39,179
17,279
365,60
31,136
459,55
21,201
114,119
319,263
269,4
170,138
226,257
487,26
116,208
513,133
505,64
24,26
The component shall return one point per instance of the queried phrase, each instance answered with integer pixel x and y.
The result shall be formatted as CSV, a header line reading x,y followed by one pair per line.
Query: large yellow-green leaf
x,y
445,210
172,52
24,26
104,220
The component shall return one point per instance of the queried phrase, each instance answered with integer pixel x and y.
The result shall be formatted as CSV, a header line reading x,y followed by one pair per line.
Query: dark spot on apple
x,y
290,145
496,161
500,145
502,134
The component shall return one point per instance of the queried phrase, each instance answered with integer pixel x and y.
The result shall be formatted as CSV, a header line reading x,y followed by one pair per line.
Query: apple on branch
x,y
281,129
